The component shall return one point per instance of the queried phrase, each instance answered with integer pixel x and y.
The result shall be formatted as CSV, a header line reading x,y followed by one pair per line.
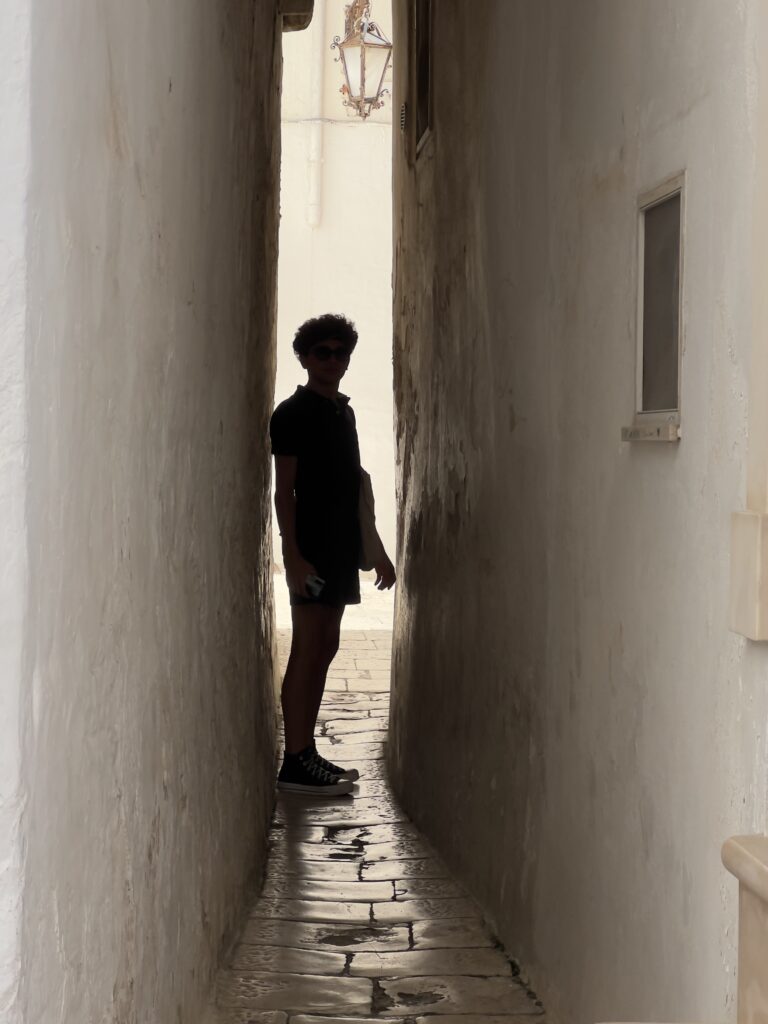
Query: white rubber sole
x,y
340,788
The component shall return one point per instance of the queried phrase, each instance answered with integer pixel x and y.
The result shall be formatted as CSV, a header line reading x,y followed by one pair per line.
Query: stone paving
x,y
358,919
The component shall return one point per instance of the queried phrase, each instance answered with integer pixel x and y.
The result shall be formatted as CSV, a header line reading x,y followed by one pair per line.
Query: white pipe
x,y
316,128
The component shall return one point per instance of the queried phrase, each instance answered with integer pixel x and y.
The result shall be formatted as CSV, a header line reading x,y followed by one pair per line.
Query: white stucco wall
x,y
343,264
148,715
573,724
14,169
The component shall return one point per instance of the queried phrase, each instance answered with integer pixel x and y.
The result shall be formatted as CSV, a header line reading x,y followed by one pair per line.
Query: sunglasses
x,y
324,353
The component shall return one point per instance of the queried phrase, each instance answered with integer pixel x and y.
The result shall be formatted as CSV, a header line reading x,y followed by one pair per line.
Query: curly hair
x,y
328,327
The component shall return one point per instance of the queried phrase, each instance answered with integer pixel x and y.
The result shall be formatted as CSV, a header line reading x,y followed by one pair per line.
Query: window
x,y
422,33
661,305
659,290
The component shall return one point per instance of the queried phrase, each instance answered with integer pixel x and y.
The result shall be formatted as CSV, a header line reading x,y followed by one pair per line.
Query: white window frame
x,y
657,425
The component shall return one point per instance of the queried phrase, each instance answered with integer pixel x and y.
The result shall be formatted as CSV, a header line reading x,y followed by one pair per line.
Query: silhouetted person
x,y
318,480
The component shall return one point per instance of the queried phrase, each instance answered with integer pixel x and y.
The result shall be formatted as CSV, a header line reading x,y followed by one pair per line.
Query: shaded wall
x,y
573,724
14,171
149,721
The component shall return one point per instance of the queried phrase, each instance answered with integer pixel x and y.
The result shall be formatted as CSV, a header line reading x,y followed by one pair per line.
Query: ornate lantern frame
x,y
362,34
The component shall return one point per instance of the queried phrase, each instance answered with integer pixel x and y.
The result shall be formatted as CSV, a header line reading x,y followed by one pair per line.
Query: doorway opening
x,y
336,257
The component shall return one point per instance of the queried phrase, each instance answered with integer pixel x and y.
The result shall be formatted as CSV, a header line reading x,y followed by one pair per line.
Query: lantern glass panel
x,y
376,61
351,54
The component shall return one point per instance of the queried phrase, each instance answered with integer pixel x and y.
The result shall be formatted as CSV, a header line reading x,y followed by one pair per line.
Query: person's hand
x,y
296,571
385,573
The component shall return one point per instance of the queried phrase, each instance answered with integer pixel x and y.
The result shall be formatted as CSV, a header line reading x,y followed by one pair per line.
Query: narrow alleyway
x,y
358,919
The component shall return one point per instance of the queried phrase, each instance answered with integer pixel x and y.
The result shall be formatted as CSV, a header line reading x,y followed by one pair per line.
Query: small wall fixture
x,y
365,54
296,14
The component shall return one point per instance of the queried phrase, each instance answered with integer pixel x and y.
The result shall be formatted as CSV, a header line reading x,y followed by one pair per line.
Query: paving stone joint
x,y
359,920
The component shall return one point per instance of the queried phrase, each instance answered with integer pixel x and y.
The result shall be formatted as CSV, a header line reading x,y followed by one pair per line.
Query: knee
x,y
329,649
318,651
332,641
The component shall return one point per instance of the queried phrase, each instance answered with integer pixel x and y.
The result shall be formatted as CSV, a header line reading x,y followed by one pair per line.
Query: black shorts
x,y
341,589
321,435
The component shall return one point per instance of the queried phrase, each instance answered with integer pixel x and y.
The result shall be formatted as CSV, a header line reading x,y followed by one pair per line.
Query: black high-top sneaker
x,y
351,774
300,773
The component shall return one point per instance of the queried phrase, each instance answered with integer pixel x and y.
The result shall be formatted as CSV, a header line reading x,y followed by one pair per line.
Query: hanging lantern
x,y
365,54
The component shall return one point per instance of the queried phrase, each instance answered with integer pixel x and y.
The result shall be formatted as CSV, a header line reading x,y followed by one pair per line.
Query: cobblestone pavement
x,y
358,919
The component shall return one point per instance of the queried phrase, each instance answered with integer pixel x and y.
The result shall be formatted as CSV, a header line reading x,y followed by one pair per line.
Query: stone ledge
x,y
746,857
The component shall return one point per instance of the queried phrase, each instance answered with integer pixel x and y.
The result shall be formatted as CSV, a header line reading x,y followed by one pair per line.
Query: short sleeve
x,y
284,431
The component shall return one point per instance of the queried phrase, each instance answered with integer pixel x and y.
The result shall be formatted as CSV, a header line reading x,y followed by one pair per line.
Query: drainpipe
x,y
316,127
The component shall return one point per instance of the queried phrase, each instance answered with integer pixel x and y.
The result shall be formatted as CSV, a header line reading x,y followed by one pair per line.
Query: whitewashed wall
x,y
14,169
573,723
343,262
143,655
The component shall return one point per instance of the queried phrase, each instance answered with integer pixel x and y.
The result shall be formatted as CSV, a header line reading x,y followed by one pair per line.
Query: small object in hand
x,y
314,585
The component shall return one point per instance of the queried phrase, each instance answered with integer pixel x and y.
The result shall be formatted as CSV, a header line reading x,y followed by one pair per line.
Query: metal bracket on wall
x,y
296,14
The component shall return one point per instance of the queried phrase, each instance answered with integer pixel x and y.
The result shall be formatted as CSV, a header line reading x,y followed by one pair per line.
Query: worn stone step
x,y
451,934
423,910
285,960
296,830
370,789
330,871
316,910
452,994
306,889
353,752
343,740
401,849
351,713
374,702
338,938
376,833
344,713
343,726
375,684
427,889
358,812
405,869
371,771
295,993
417,963
316,851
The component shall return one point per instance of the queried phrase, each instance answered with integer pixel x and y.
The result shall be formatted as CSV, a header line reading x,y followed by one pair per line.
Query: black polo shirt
x,y
322,434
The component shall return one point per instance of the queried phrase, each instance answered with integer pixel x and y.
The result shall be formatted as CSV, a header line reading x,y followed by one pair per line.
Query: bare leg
x,y
332,649
314,644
